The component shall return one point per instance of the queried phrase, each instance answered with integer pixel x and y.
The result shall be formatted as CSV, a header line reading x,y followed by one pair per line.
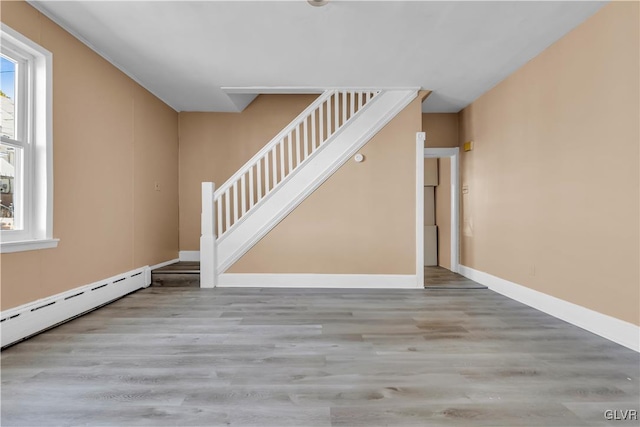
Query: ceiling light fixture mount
x,y
317,3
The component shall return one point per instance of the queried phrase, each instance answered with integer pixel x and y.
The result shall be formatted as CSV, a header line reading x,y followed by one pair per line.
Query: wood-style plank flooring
x,y
293,357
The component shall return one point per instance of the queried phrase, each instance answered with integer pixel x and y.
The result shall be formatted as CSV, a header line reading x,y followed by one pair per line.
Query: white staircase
x,y
287,170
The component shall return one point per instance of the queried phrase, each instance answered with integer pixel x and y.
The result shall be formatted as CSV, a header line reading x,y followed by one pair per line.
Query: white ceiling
x,y
186,52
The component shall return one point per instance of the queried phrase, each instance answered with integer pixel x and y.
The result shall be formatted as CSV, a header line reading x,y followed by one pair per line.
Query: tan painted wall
x,y
213,146
553,201
112,141
443,212
441,129
442,132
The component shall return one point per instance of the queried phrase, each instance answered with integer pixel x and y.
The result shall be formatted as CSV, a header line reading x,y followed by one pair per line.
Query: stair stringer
x,y
284,199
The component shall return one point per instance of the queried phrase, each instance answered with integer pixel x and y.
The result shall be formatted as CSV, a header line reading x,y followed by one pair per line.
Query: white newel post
x,y
208,276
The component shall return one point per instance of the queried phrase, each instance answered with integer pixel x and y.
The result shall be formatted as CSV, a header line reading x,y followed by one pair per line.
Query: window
x,y
26,175
12,147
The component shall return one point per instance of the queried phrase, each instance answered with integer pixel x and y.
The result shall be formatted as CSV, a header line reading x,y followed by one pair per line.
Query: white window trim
x,y
38,209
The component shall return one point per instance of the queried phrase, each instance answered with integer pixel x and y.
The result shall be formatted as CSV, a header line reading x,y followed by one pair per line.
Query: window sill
x,y
28,245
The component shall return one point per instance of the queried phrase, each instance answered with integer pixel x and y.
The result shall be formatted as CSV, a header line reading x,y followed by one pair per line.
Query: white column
x,y
208,276
420,138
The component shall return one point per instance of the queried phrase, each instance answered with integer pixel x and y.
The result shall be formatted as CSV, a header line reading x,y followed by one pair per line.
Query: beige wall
x,y
553,182
361,220
441,129
112,141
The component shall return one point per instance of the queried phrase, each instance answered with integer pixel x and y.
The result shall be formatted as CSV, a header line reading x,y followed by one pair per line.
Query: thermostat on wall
x,y
358,157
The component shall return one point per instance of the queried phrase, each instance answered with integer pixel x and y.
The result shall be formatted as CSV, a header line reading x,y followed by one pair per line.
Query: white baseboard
x,y
266,280
164,264
189,256
363,281
28,319
616,330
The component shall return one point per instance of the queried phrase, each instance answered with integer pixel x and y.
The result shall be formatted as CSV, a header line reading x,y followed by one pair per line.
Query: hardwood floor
x,y
295,357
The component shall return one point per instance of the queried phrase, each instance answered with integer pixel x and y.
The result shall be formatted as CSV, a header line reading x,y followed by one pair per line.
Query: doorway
x,y
428,232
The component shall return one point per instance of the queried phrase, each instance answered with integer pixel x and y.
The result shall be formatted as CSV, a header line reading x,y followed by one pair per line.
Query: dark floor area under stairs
x,y
179,275
187,274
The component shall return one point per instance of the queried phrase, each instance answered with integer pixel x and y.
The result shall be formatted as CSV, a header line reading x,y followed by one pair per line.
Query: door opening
x,y
433,185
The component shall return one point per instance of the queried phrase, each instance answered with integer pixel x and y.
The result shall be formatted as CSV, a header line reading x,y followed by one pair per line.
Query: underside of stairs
x,y
287,170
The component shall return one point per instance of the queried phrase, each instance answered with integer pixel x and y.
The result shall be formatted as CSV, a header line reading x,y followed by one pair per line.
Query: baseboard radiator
x,y
24,321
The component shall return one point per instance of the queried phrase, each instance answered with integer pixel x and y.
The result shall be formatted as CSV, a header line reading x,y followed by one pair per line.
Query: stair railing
x,y
284,154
